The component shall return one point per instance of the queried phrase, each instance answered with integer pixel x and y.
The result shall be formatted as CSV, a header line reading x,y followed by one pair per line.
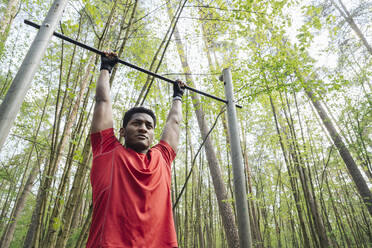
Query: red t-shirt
x,y
132,204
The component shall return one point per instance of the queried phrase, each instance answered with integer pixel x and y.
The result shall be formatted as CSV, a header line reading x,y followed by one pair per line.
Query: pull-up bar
x,y
92,49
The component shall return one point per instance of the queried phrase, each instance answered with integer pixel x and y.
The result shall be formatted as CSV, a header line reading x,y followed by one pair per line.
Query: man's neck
x,y
137,150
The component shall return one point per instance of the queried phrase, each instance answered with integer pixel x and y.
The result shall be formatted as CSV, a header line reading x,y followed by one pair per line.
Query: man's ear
x,y
122,132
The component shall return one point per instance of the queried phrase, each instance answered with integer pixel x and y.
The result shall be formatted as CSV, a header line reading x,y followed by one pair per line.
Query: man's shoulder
x,y
162,145
103,141
104,132
165,150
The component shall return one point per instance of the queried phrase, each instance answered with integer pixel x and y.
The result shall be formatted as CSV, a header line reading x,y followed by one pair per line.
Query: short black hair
x,y
128,115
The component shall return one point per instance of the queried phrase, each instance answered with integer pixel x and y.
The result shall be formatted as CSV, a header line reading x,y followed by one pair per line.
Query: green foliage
x,y
74,237
56,223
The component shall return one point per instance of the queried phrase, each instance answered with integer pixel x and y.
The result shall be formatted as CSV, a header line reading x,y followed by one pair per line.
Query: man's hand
x,y
178,89
108,61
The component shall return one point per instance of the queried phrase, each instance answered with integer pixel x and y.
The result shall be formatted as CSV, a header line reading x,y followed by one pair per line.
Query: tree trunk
x,y
19,207
35,219
355,174
75,195
349,19
20,204
166,41
304,178
85,229
255,224
186,210
227,215
292,179
340,225
6,22
49,240
6,205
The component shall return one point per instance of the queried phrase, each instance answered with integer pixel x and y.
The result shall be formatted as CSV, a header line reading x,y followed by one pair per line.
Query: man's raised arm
x,y
102,115
172,126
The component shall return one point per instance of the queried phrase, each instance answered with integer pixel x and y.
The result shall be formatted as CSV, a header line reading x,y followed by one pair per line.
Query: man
x,y
131,184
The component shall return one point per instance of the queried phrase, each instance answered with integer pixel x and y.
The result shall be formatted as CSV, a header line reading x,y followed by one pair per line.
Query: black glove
x,y
108,61
177,89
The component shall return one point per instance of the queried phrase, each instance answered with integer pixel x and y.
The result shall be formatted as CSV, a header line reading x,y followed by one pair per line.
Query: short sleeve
x,y
103,141
166,151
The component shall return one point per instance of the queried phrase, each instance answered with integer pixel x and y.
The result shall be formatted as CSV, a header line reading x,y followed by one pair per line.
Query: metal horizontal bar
x,y
92,49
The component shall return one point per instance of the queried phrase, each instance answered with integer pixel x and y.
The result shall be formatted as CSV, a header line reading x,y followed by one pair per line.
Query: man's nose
x,y
142,127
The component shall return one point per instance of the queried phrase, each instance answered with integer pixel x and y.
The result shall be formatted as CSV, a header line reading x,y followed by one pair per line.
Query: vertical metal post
x,y
237,163
13,100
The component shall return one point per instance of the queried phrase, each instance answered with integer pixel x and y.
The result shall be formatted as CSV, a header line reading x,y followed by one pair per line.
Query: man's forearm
x,y
102,114
172,126
175,113
103,87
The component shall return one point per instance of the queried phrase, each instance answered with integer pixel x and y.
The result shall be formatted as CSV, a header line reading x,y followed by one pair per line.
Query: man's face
x,y
139,132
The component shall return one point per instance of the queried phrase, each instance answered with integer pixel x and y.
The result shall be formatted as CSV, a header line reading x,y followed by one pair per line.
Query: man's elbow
x,y
175,120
